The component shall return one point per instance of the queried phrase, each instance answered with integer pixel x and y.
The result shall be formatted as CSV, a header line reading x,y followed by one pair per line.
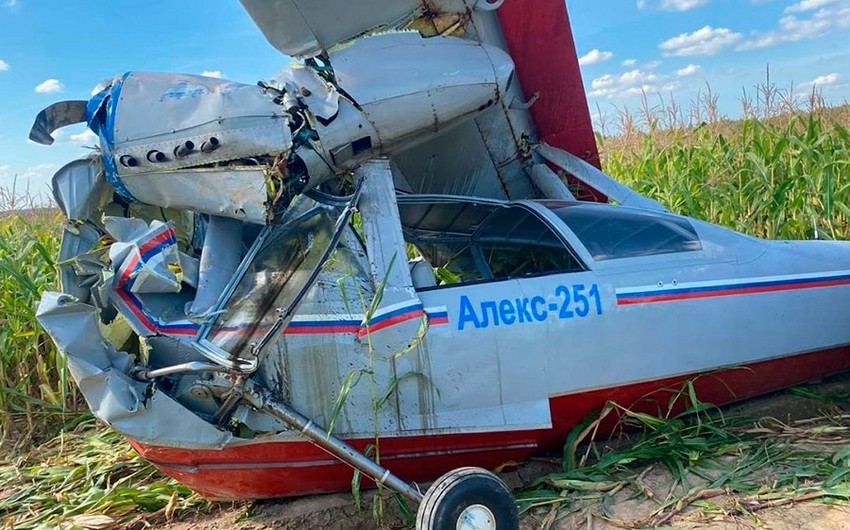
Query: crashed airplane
x,y
405,237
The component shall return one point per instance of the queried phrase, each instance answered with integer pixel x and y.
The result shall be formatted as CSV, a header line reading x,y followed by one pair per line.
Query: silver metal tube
x,y
550,184
596,179
194,366
260,399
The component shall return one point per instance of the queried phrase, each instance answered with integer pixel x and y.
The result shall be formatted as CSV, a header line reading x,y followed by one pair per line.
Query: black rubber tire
x,y
452,493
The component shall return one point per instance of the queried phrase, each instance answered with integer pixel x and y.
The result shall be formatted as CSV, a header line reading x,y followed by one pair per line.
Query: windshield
x,y
280,267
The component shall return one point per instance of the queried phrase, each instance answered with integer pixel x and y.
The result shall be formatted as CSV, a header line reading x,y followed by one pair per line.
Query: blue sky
x,y
53,49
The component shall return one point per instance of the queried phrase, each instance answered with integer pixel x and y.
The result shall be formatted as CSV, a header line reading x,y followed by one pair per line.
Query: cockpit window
x,y
465,242
515,243
612,232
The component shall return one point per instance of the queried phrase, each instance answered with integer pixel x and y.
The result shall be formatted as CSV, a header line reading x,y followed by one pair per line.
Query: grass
x,y
726,468
779,178
87,477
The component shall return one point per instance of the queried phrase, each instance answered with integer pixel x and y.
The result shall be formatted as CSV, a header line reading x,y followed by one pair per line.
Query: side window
x,y
450,262
514,243
463,242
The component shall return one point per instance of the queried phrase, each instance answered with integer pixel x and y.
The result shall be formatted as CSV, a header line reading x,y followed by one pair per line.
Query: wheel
x,y
468,498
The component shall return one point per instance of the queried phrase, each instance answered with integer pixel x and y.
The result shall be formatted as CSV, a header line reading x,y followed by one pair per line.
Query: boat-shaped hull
x,y
291,468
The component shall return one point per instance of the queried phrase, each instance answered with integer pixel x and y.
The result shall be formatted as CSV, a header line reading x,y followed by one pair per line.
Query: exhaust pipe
x,y
210,145
185,149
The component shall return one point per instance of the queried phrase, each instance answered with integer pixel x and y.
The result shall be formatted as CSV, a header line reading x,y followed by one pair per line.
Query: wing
x,y
490,155
304,28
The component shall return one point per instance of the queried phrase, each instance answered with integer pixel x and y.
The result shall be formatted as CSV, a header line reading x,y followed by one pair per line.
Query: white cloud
x,y
671,5
809,5
51,86
11,4
86,137
793,29
595,56
704,41
630,83
820,81
213,73
4,66
629,62
691,69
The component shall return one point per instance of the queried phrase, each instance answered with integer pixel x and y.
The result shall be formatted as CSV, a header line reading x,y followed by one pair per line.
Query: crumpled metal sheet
x,y
159,111
80,264
320,97
55,117
102,373
148,276
235,192
144,257
154,123
80,189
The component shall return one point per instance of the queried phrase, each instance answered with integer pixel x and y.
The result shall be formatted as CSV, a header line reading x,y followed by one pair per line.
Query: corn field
x,y
35,386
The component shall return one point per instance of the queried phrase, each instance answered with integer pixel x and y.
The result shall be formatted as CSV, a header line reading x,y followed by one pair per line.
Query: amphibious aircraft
x,y
401,244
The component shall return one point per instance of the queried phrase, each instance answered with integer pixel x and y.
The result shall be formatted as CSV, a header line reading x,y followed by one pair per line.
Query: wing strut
x,y
590,176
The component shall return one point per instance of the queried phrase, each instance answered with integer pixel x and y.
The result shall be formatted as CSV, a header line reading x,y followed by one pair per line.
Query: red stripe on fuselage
x,y
398,319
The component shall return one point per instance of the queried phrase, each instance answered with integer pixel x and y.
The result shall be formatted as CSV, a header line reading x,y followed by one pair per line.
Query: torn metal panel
x,y
154,123
54,117
145,258
236,192
220,258
162,111
147,284
102,373
80,189
80,263
307,85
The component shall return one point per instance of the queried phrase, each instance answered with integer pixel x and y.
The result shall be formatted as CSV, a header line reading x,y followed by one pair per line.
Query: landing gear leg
x,y
464,499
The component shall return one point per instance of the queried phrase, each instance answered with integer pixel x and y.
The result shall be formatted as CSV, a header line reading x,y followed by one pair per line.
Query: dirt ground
x,y
338,511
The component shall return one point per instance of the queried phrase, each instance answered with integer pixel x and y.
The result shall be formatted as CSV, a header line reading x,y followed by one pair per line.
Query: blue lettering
x,y
507,312
495,312
583,304
538,308
522,310
594,292
467,314
565,312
